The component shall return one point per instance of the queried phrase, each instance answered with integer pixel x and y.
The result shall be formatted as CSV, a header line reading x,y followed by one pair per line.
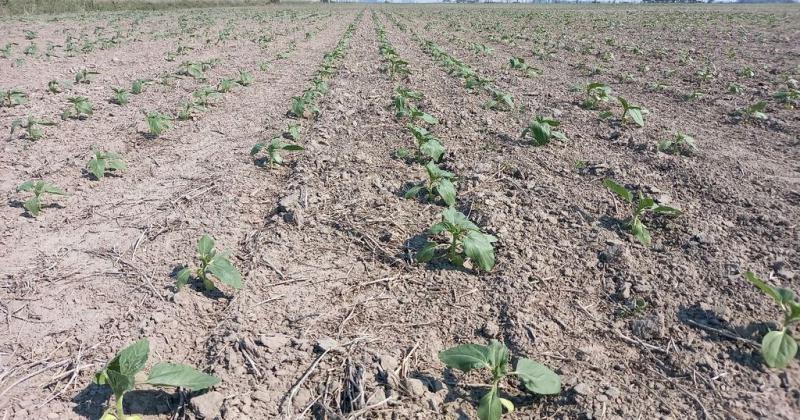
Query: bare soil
x,y
336,319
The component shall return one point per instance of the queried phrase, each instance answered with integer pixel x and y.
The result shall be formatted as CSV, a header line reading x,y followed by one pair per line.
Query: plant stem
x,y
120,410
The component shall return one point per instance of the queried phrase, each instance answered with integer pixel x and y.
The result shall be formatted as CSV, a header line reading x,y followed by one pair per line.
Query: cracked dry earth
x,y
336,320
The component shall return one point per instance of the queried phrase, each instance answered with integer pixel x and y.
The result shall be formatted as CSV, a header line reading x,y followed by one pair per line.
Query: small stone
x,y
325,344
583,389
612,392
208,405
274,342
387,363
302,398
491,329
260,395
377,396
415,387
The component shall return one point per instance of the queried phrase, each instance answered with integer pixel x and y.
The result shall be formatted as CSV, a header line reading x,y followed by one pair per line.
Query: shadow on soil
x,y
95,399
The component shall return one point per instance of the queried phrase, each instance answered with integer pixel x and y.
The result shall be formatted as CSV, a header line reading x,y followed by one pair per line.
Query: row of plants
x,y
463,243
304,106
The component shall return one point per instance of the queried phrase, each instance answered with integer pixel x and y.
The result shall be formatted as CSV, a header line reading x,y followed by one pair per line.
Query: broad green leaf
x,y
178,375
766,288
292,147
222,269
537,377
34,206
97,167
636,116
439,228
497,354
618,189
639,230
116,164
413,191
427,252
26,186
447,191
794,313
785,295
183,277
778,349
119,383
479,249
644,204
489,407
52,189
430,119
205,246
466,357
666,210
433,149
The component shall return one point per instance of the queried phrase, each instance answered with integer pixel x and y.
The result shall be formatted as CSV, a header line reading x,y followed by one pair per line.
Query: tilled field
x,y
337,318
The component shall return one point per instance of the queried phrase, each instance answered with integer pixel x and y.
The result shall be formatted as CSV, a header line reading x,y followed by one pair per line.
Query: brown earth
x,y
326,242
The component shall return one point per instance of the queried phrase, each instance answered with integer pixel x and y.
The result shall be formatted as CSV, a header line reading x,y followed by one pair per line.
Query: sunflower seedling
x,y
225,85
535,377
596,94
755,111
121,96
643,205
120,375
293,131
401,101
634,112
428,145
212,263
81,109
680,144
466,241
542,130
245,78
440,182
12,97
137,86
157,123
273,149
102,162
778,347
85,76
31,126
38,188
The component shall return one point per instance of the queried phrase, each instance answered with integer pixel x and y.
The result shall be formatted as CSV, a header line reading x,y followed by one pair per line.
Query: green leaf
x,y
97,167
447,191
466,357
178,375
413,191
508,405
639,230
427,252
537,377
636,116
433,149
497,354
778,349
205,247
52,189
26,186
292,147
766,288
489,407
666,210
618,189
430,119
222,269
119,383
478,248
34,206
183,277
